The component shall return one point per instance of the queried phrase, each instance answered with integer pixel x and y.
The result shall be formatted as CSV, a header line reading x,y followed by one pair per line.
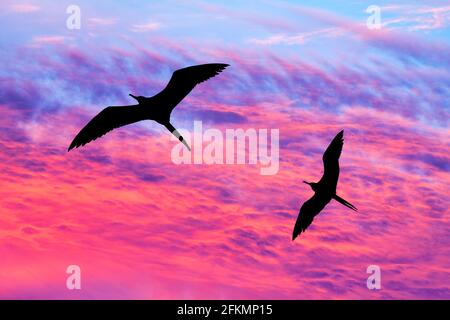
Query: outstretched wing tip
x,y
338,139
219,67
75,144
298,230
298,227
108,119
71,148
72,145
221,64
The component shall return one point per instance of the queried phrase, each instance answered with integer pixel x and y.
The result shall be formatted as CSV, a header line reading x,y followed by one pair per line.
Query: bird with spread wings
x,y
325,189
157,108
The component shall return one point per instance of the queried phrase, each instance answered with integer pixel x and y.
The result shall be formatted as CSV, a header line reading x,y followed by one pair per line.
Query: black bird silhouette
x,y
158,107
325,189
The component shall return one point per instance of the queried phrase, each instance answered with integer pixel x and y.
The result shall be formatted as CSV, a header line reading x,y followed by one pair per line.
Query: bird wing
x,y
184,80
331,161
108,119
308,211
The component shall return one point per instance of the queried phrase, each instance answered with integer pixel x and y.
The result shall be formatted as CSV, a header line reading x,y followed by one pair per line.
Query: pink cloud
x,y
24,7
141,227
145,27
45,40
100,21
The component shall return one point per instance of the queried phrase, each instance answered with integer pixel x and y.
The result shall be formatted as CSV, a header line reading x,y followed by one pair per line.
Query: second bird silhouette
x,y
157,108
325,189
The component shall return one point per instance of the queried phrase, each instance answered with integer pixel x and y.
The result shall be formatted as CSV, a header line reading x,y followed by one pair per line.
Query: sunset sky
x,y
141,227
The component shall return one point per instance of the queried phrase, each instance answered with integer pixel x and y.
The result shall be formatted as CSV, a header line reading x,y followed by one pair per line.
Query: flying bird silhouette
x,y
157,108
325,189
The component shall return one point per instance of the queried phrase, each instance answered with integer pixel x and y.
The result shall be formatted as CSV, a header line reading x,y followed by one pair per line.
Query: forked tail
x,y
175,132
344,202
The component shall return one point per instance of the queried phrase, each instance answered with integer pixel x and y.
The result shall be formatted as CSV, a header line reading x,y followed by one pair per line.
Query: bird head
x,y
311,184
139,99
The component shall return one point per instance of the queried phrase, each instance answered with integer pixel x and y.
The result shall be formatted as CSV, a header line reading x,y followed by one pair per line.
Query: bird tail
x,y
344,202
175,132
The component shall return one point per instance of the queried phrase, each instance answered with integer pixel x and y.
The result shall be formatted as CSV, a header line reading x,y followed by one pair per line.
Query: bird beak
x,y
134,97
306,182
